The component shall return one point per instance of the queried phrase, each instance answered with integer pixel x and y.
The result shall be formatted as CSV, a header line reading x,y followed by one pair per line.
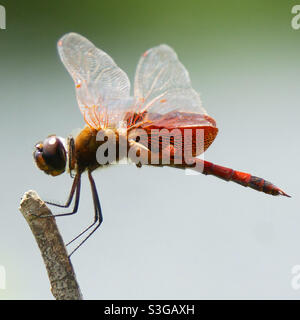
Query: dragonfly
x,y
163,102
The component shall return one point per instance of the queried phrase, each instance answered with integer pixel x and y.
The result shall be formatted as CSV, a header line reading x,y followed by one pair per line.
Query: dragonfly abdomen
x,y
242,178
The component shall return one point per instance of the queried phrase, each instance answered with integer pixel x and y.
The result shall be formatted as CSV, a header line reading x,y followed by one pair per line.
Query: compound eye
x,y
54,152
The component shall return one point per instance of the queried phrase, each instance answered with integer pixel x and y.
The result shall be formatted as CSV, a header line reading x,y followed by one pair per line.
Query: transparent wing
x,y
102,88
162,85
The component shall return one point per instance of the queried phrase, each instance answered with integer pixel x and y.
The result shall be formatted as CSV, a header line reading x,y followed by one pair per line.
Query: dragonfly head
x,y
50,155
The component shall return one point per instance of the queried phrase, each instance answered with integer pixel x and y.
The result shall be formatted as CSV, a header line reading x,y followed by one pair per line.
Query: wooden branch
x,y
60,271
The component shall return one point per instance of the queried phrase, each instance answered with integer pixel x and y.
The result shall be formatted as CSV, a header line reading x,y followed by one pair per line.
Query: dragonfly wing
x,y
180,120
102,88
162,86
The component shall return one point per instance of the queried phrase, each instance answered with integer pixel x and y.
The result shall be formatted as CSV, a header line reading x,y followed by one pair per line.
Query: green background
x,y
165,234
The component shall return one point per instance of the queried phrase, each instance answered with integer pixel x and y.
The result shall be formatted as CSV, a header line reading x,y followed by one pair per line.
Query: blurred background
x,y
165,235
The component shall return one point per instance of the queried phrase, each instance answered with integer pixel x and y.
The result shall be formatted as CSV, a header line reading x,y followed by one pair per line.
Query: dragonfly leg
x,y
98,218
75,187
71,195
